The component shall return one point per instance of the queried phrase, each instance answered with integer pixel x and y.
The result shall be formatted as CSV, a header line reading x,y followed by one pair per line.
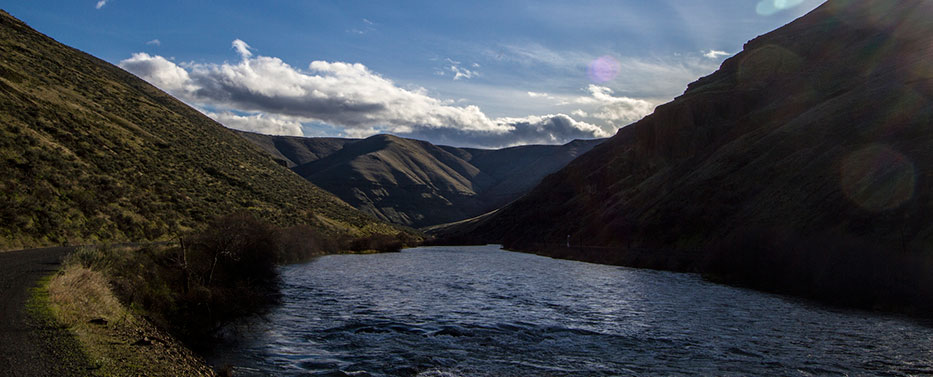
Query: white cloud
x,y
537,95
546,129
580,113
242,48
619,111
460,72
347,96
154,42
100,4
261,123
658,77
769,7
160,72
713,54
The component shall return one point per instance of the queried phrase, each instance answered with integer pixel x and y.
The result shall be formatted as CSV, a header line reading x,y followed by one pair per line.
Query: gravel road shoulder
x,y
31,343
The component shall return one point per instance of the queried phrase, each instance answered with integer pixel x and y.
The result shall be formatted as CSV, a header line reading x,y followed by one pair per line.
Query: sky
x,y
492,74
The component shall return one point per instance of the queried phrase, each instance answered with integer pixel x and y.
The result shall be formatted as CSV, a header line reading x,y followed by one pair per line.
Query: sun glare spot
x,y
878,178
603,69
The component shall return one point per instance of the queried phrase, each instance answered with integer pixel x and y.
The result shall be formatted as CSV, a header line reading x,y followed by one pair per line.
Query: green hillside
x,y
89,152
416,183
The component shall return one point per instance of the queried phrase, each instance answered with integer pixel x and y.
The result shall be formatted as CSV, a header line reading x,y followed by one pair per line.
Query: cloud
x,y
261,123
460,72
100,4
620,111
367,26
537,95
713,54
348,96
643,76
154,42
242,48
769,7
546,129
160,72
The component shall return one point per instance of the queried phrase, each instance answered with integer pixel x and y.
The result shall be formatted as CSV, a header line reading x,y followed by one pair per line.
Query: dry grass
x,y
118,342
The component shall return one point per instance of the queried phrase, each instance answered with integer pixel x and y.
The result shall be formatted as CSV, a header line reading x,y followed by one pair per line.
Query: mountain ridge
x,y
416,183
815,130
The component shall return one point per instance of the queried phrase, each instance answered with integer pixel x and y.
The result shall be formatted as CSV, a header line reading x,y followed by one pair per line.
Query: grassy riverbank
x,y
109,337
138,310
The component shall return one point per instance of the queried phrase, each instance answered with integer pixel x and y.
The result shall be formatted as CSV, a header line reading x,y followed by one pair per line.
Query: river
x,y
481,311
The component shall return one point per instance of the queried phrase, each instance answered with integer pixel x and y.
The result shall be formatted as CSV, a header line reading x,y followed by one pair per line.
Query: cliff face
x,y
818,130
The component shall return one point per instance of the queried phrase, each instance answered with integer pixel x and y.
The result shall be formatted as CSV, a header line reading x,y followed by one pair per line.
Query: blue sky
x,y
478,73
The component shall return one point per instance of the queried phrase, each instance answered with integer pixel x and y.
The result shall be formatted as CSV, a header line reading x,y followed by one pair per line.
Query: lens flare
x,y
878,178
769,7
603,69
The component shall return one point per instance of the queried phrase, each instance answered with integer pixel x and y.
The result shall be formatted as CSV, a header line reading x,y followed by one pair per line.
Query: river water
x,y
481,311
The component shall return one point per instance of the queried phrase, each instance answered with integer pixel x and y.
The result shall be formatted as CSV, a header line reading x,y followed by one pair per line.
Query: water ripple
x,y
480,311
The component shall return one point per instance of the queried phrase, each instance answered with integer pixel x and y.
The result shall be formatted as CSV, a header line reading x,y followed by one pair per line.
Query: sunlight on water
x,y
878,178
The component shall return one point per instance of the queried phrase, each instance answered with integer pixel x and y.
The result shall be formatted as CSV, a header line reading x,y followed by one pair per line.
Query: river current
x,y
481,311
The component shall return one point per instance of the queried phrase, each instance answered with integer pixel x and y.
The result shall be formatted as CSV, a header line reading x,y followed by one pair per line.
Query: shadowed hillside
x,y
812,143
416,183
89,152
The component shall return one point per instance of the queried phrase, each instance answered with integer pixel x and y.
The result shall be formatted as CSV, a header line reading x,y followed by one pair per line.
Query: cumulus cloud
x,y
260,123
160,72
348,96
100,4
546,129
713,54
154,42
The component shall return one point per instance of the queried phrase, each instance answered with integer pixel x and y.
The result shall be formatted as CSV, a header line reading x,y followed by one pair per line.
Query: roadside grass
x,y
142,310
53,336
116,341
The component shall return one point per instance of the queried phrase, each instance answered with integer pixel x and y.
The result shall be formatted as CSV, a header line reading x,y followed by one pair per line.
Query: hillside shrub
x,y
215,276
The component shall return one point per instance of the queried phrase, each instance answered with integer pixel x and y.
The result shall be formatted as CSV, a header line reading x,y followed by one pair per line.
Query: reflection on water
x,y
480,311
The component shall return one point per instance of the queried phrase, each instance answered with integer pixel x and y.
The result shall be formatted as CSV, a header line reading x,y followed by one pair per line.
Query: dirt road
x,y
30,347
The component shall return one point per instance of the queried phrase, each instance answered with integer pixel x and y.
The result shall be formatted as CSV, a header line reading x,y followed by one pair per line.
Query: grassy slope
x,y
89,152
798,136
414,182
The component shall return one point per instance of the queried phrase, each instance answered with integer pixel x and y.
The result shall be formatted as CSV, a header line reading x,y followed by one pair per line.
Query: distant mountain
x,y
91,153
817,136
416,183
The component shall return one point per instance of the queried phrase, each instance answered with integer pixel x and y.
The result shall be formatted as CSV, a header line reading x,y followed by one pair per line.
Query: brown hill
x,y
814,140
416,183
89,153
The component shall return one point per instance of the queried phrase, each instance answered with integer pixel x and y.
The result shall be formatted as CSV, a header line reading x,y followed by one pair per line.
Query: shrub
x,y
377,242
302,242
225,272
